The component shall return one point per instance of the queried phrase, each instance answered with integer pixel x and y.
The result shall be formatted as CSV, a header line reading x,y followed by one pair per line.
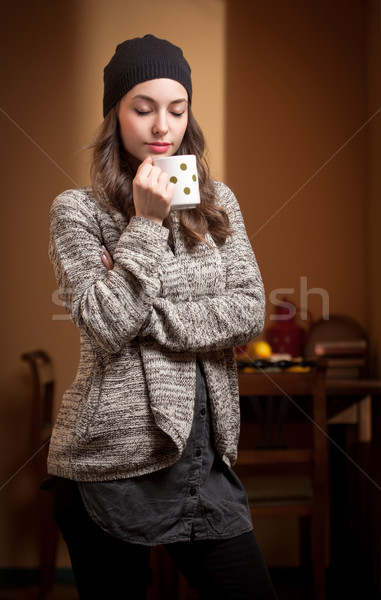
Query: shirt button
x,y
202,411
193,491
198,452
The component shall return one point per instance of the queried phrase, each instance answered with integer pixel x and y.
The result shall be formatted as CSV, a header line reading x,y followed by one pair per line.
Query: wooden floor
x,y
286,584
64,592
60,592
286,591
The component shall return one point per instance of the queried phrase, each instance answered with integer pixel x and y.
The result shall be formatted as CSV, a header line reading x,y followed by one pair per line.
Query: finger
x,y
165,187
151,178
155,174
145,165
171,188
163,179
147,175
106,253
106,259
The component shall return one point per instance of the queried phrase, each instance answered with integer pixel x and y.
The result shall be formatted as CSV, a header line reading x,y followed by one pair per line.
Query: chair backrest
x,y
43,397
293,480
270,396
344,344
41,427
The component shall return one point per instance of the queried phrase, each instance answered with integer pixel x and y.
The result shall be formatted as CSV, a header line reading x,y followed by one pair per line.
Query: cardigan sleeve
x,y
213,323
109,306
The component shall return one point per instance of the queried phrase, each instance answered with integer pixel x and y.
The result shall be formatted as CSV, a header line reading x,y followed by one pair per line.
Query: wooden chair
x,y
41,427
282,476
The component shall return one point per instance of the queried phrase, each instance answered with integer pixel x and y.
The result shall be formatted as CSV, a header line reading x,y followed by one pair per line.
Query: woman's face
x,y
153,117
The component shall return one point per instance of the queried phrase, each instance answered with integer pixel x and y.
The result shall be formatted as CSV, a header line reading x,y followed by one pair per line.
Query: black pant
x,y
108,568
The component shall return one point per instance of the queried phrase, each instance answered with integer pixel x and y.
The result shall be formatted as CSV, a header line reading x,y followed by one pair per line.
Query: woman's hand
x,y
106,259
152,192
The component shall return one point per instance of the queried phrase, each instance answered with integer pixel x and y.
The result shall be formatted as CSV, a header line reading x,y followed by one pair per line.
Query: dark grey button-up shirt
x,y
198,497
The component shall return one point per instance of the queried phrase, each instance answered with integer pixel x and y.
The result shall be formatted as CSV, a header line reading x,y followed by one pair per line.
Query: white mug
x,y
182,171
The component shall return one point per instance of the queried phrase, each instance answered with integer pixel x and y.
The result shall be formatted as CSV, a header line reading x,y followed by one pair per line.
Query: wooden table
x,y
357,407
349,401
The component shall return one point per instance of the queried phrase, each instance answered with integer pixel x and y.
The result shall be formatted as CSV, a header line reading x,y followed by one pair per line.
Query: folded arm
x,y
212,323
109,305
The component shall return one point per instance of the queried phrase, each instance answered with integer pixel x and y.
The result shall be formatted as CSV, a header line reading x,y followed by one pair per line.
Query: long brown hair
x,y
111,171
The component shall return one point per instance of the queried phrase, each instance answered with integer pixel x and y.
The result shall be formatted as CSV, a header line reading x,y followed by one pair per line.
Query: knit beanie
x,y
141,59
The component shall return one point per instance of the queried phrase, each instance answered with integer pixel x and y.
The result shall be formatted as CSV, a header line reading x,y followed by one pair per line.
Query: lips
x,y
159,147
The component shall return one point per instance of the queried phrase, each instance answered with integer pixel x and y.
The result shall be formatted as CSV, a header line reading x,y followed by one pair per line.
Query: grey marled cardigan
x,y
129,410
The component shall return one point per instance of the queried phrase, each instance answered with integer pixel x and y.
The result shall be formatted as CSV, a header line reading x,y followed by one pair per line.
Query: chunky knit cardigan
x,y
143,324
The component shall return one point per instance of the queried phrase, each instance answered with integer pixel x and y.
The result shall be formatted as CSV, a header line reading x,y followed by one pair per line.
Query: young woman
x,y
146,436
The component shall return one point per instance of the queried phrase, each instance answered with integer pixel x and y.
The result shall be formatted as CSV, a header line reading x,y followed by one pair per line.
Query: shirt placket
x,y
198,443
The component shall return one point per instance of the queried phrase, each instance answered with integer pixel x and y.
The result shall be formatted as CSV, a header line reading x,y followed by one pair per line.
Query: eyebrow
x,y
143,97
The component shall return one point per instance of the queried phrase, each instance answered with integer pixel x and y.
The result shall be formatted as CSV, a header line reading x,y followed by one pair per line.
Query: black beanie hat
x,y
141,59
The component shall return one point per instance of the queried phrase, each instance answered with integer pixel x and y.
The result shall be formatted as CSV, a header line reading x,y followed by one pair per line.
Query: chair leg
x,y
48,546
318,555
305,552
164,575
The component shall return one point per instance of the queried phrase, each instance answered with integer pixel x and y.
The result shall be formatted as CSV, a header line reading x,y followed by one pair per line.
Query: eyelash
x,y
143,113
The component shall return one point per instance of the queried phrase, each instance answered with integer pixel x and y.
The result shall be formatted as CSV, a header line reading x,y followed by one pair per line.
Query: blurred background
x,y
288,95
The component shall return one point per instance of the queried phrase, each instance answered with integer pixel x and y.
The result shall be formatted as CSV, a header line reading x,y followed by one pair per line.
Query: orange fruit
x,y
259,349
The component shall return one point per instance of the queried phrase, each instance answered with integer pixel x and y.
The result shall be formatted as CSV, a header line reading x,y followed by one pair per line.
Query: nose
x,y
161,124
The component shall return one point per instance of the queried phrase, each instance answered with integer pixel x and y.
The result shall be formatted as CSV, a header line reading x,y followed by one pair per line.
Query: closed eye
x,y
141,113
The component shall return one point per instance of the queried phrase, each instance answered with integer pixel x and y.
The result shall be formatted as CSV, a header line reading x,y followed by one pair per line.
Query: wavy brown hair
x,y
111,171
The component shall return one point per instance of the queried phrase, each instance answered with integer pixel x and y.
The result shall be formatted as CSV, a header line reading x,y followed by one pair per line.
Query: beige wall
x,y
51,69
296,74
